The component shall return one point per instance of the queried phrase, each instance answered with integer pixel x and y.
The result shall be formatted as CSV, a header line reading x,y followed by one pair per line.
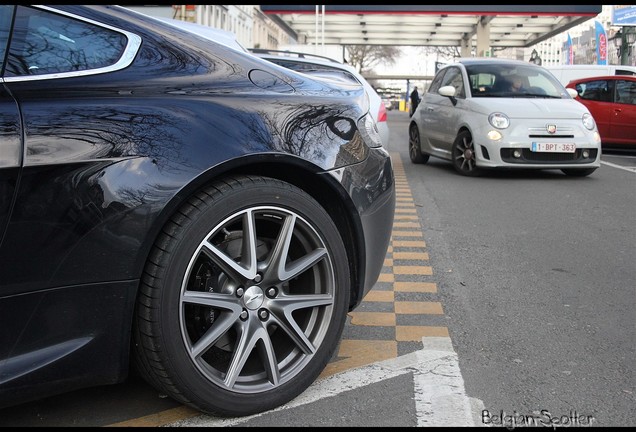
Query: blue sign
x,y
601,44
623,15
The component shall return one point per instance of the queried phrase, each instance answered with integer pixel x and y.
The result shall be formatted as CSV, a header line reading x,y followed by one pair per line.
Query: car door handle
x,y
429,108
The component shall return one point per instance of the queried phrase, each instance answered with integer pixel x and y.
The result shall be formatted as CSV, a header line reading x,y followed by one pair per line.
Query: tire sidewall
x,y
200,390
415,148
475,172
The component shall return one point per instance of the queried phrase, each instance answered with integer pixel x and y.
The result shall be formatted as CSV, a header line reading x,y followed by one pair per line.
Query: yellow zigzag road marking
x,y
406,234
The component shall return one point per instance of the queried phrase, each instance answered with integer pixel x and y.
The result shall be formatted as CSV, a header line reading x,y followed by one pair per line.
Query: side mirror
x,y
448,91
572,92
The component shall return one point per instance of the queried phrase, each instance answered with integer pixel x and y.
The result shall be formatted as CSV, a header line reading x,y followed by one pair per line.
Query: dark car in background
x,y
178,208
612,102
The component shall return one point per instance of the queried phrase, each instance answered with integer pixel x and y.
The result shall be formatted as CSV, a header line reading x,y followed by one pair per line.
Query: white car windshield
x,y
489,80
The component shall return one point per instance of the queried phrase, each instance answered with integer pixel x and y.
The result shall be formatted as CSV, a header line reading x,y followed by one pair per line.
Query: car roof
x,y
308,58
294,54
605,77
302,57
490,60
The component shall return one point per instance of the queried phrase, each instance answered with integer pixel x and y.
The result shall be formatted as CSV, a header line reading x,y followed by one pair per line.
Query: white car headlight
x,y
499,120
588,121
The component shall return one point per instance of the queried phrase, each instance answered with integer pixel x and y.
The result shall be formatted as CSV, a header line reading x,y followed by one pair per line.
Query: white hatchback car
x,y
495,113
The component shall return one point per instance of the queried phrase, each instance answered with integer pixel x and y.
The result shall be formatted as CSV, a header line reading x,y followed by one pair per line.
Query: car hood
x,y
530,107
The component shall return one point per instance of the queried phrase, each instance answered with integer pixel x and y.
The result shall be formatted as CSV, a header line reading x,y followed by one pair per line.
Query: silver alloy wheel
x,y
257,299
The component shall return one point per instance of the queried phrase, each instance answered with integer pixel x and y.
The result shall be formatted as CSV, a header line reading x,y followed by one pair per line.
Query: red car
x,y
612,102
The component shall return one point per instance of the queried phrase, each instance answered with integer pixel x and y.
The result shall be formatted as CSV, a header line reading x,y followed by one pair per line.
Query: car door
x,y
10,136
449,111
439,113
67,139
622,125
597,96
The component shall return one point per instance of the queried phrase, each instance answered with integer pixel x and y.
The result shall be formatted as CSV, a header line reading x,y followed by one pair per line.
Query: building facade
x,y
253,29
554,51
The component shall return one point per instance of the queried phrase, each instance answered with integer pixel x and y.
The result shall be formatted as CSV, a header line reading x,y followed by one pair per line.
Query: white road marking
x,y
438,388
440,396
630,169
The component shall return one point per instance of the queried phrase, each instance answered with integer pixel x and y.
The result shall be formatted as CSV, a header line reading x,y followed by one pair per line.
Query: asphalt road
x,y
538,283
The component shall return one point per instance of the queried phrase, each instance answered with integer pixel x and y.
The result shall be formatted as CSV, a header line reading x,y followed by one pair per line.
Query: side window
x,y
437,82
454,78
6,15
626,92
44,43
594,90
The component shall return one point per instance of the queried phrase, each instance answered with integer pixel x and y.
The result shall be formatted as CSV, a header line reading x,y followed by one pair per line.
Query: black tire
x,y
578,172
243,299
463,155
415,149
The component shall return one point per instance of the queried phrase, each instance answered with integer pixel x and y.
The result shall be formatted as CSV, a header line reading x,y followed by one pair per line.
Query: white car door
x,y
440,114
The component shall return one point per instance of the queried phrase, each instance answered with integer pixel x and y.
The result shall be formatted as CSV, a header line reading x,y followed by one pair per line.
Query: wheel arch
x,y
464,128
412,124
323,188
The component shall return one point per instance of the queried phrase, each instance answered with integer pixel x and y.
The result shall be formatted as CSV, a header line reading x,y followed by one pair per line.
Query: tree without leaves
x,y
446,52
442,54
365,57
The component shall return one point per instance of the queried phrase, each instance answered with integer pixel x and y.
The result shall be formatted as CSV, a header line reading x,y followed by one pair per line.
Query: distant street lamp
x,y
623,41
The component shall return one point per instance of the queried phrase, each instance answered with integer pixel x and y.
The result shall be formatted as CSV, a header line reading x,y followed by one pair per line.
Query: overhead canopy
x,y
430,25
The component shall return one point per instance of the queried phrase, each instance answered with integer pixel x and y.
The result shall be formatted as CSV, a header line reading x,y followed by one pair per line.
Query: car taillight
x,y
369,131
382,113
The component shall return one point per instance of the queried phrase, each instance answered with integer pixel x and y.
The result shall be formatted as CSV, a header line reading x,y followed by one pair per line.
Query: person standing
x,y
415,100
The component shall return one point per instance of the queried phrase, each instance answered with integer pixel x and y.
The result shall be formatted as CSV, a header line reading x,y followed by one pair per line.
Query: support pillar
x,y
465,47
483,38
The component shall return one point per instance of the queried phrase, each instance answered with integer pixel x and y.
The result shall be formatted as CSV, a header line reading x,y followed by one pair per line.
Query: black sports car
x,y
178,208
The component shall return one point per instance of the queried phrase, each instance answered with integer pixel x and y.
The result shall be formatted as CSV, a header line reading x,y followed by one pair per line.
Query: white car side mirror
x,y
447,91
572,92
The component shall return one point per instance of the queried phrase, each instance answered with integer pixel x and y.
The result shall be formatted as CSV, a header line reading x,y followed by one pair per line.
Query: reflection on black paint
x,y
90,132
309,131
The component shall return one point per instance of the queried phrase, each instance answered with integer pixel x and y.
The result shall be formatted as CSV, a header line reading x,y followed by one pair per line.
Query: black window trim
x,y
130,51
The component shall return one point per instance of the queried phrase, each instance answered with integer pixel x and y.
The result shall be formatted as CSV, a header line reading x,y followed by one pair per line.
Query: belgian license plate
x,y
553,147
